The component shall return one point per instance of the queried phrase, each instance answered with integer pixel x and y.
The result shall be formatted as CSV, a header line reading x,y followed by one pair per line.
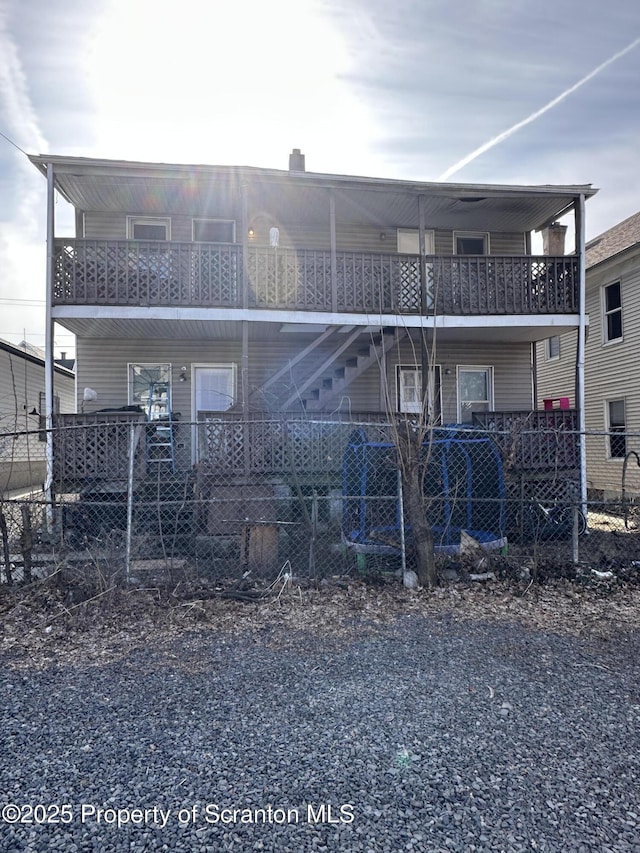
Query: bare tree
x,y
412,436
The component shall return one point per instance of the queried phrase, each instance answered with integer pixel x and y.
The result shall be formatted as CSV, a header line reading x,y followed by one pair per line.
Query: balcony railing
x,y
127,272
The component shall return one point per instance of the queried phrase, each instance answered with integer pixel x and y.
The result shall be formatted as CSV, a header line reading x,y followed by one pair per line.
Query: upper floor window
x,y
409,241
148,228
214,231
552,349
612,312
475,392
470,243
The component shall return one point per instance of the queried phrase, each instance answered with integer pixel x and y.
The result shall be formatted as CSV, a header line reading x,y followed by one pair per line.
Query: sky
x,y
493,91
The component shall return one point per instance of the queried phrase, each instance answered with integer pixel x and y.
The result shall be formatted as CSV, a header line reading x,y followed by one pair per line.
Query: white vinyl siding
x,y
102,225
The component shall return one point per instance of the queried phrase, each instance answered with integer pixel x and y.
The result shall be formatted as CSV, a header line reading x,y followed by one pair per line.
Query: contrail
x,y
525,121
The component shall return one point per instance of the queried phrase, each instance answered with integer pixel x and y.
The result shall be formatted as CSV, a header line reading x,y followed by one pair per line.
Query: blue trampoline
x,y
463,487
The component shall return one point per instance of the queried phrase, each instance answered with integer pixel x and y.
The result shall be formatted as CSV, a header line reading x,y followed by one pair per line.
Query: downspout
x,y
48,347
425,364
534,374
244,358
580,246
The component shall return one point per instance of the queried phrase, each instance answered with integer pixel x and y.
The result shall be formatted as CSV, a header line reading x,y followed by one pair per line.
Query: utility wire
x,y
15,144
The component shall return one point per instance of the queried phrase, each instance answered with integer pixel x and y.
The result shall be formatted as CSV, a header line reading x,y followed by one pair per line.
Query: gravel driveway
x,y
430,733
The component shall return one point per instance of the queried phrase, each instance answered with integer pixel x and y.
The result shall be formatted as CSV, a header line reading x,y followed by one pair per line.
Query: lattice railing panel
x,y
97,445
129,272
537,440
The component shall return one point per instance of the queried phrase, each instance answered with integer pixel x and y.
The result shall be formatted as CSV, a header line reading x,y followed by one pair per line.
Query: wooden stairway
x,y
326,386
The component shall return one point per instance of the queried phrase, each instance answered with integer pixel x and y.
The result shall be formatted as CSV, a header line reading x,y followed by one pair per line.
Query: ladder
x,y
160,432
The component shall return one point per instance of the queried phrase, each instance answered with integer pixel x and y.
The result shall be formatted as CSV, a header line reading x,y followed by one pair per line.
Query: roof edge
x,y
67,163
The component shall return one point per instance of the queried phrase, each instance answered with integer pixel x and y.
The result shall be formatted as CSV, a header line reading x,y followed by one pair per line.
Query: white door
x,y
213,389
409,244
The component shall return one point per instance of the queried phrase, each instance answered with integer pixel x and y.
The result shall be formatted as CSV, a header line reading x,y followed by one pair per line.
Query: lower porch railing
x,y
96,447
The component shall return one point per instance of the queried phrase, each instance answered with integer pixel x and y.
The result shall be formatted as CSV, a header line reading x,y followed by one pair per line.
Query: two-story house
x,y
229,292
612,395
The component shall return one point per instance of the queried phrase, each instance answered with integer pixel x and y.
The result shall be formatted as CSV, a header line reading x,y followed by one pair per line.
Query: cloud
x,y
22,255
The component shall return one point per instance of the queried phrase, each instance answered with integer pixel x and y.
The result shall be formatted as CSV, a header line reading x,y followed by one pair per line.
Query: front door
x,y
213,391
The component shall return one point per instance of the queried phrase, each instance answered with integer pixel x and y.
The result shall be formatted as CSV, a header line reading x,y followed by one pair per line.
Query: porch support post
x,y
48,345
334,256
244,369
244,225
579,206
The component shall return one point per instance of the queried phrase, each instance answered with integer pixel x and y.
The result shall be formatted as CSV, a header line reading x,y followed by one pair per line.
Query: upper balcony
x,y
205,275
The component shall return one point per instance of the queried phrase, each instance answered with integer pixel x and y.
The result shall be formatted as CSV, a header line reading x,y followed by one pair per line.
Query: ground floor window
x,y
214,388
475,392
616,426
409,385
150,388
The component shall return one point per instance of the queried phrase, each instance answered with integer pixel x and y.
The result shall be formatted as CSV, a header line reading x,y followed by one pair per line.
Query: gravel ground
x,y
430,732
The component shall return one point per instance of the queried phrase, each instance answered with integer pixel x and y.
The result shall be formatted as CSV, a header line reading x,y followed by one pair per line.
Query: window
x,y
409,241
475,392
553,348
471,243
617,428
214,231
148,228
150,388
612,309
410,391
214,388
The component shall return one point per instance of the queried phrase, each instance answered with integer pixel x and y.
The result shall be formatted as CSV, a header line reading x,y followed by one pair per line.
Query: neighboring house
x,y
219,292
612,354
22,404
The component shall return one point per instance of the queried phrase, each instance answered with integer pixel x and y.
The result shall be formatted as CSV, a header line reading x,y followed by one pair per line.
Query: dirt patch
x,y
42,628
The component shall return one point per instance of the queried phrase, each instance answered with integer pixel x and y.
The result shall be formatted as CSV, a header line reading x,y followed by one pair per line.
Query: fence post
x,y
5,548
135,430
575,537
403,548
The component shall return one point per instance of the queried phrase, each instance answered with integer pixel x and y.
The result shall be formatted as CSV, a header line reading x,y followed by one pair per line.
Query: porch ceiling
x,y
303,197
511,329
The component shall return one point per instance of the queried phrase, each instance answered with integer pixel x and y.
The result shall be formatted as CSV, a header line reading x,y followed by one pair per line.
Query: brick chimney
x,y
296,161
553,239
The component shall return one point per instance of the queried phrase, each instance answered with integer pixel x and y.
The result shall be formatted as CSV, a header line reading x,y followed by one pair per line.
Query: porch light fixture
x,y
183,374
251,233
383,235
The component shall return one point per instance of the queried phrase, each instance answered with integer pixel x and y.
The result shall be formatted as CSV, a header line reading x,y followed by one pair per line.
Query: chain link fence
x,y
133,501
